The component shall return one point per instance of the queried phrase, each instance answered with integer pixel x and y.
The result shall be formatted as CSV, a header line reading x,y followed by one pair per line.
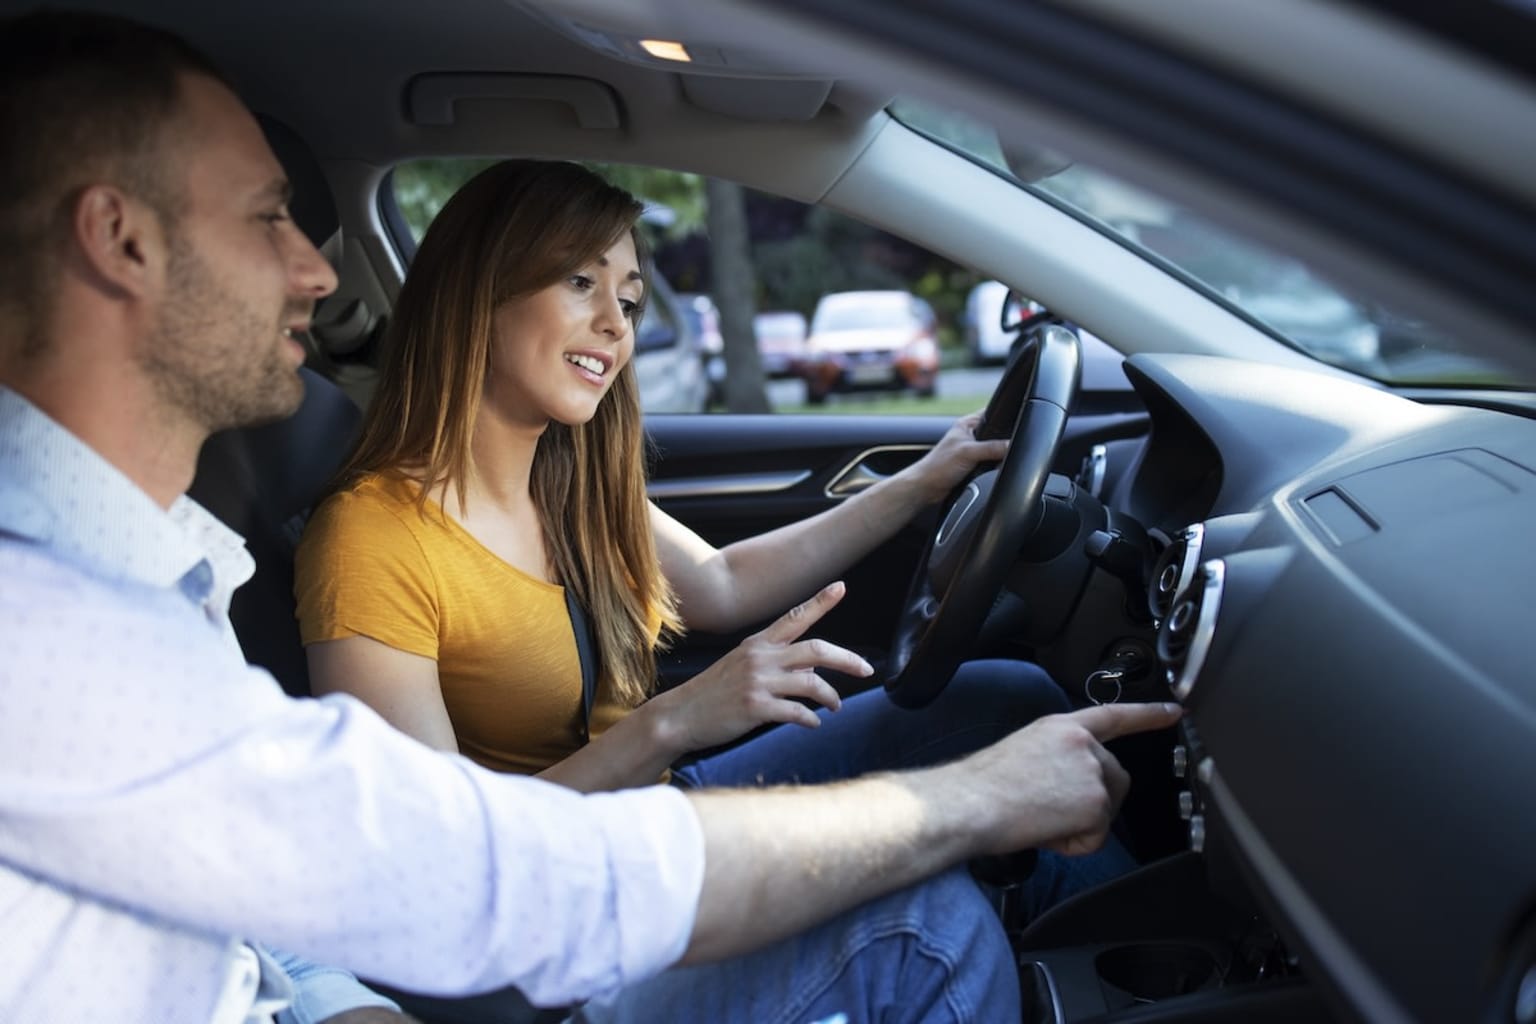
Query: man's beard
x,y
214,358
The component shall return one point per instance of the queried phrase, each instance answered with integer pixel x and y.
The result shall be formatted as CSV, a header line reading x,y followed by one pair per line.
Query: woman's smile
x,y
590,366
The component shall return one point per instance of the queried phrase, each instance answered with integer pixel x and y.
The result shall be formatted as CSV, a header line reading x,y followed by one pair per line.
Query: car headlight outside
x,y
922,349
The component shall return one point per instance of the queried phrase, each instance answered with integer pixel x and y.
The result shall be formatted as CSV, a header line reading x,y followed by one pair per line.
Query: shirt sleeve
x,y
360,571
143,765
321,992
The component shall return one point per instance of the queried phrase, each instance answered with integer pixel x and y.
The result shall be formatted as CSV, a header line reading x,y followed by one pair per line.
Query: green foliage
x,y
423,186
677,191
945,286
830,255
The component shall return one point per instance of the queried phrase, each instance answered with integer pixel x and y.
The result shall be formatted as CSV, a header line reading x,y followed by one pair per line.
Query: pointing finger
x,y
788,627
1108,721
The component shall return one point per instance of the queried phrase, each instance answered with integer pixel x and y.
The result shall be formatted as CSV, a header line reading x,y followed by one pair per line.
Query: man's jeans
x,y
985,701
935,952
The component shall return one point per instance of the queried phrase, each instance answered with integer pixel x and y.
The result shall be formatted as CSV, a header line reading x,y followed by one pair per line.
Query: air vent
x,y
1174,569
1185,637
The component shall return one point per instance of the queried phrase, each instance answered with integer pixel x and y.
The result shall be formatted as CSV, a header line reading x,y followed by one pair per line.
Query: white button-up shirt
x,y
161,801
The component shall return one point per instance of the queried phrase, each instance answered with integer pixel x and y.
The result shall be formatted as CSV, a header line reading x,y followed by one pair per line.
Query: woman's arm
x,y
723,589
402,687
770,677
405,690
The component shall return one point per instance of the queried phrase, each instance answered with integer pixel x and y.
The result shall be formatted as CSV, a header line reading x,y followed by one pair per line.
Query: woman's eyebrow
x,y
634,275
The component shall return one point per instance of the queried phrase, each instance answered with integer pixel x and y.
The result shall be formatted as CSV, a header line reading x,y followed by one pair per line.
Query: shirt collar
x,y
56,491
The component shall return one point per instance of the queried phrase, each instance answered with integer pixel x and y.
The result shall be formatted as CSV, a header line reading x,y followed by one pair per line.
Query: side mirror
x,y
1020,313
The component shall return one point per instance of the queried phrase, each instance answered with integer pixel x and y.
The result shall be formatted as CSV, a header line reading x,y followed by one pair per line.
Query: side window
x,y
827,315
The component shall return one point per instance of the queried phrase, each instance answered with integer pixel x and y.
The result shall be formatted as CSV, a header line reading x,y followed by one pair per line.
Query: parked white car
x,y
780,340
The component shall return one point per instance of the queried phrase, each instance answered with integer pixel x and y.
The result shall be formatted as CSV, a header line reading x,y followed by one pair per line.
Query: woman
x,y
500,464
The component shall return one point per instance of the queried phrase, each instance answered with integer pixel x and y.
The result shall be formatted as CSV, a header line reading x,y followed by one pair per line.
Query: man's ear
x,y
119,240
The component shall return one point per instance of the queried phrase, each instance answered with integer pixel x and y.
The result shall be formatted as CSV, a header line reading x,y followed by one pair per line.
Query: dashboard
x,y
1345,611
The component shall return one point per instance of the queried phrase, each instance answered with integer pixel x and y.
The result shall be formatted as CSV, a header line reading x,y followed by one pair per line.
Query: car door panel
x,y
731,477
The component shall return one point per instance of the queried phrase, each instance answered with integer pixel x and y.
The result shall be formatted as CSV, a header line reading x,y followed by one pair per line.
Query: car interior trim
x,y
430,98
724,486
1215,574
857,475
1333,955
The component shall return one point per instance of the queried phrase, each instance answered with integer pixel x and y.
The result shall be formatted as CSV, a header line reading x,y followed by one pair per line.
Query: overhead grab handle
x,y
430,98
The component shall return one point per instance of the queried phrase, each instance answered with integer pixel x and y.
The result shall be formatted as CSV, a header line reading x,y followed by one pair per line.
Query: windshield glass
x,y
1275,291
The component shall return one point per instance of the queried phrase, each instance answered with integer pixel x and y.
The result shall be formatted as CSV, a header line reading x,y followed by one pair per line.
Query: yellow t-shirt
x,y
370,564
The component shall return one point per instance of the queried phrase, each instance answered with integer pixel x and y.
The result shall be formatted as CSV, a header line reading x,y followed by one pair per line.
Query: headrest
x,y
312,207
258,478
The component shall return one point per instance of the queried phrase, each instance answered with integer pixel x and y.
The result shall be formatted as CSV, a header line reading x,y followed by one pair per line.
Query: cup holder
x,y
1148,971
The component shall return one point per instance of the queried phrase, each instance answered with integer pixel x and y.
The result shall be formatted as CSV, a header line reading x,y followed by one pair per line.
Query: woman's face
x,y
555,353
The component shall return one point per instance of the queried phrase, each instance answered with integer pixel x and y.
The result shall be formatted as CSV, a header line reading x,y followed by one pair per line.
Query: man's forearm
x,y
777,861
780,860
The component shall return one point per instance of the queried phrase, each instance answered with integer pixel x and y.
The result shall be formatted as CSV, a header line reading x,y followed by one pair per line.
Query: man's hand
x,y
781,859
1052,784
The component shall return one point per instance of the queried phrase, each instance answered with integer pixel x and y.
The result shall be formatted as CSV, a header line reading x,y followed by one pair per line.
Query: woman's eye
x,y
631,308
275,217
581,281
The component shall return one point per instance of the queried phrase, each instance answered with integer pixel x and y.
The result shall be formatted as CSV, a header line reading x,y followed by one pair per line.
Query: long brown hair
x,y
515,228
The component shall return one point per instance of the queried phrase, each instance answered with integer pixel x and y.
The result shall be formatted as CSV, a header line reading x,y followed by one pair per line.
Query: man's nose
x,y
311,274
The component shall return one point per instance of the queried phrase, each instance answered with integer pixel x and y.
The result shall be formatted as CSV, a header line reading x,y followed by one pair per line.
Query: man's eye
x,y
275,217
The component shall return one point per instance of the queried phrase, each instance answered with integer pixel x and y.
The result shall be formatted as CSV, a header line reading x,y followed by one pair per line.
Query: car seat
x,y
262,482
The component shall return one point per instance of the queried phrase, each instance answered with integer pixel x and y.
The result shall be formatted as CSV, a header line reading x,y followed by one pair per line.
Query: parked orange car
x,y
874,340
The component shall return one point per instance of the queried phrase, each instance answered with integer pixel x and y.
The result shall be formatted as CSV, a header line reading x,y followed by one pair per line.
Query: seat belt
x,y
586,653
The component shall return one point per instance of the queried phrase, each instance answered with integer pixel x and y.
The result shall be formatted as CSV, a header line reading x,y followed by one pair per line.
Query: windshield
x,y
1279,293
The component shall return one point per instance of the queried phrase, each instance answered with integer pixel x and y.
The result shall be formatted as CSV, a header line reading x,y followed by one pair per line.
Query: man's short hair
x,y
84,99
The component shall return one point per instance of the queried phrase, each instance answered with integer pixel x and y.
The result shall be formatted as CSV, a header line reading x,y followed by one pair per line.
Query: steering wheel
x,y
968,559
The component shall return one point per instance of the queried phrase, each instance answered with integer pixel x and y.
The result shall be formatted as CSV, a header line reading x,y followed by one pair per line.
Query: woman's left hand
x,y
953,458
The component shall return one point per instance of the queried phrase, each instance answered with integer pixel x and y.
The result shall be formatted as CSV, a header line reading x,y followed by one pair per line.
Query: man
x,y
163,807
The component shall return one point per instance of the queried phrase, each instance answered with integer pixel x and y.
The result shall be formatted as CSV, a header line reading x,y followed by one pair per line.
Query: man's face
x,y
240,277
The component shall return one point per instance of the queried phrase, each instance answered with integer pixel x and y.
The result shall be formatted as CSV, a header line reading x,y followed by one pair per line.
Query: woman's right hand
x,y
770,677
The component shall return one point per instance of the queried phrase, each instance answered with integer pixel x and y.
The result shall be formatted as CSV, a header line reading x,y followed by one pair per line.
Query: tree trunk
x,y
735,292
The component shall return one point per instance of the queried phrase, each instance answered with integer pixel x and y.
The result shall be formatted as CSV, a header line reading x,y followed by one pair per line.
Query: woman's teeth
x,y
588,363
